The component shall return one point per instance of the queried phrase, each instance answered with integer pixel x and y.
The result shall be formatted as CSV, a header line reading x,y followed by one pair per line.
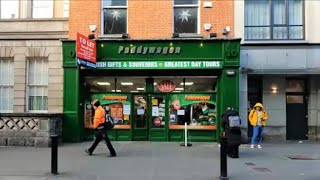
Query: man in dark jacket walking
x,y
233,134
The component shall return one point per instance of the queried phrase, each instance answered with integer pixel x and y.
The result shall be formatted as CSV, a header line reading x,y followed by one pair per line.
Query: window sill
x,y
33,19
188,35
111,36
264,42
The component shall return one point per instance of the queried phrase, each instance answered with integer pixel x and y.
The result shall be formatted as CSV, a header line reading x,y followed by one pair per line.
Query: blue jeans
x,y
257,135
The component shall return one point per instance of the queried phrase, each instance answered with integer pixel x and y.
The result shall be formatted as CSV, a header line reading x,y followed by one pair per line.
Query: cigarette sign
x,y
86,51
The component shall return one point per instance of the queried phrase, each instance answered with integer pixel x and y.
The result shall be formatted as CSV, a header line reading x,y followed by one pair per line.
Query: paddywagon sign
x,y
86,51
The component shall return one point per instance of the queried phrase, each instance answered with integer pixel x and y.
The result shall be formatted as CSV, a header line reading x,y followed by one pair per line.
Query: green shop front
x,y
152,88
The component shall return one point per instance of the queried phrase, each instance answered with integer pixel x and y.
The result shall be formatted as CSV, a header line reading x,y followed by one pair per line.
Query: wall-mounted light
x,y
274,89
230,72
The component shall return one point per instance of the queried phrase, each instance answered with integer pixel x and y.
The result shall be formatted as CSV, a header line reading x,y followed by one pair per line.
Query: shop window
x,y
178,87
114,16
199,84
9,9
274,19
186,16
37,84
140,111
42,9
132,85
197,110
6,85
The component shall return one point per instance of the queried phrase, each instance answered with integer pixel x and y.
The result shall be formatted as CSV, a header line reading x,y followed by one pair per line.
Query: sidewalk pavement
x,y
162,161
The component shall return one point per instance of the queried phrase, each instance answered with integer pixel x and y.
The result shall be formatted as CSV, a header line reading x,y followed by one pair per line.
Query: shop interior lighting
x,y
127,83
115,90
154,83
140,89
134,91
274,89
187,83
178,89
103,83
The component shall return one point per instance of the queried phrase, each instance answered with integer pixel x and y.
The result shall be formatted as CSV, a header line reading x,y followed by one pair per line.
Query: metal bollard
x,y
54,154
223,157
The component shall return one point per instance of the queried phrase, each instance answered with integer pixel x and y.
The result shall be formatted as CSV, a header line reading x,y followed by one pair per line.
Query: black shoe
x,y
112,155
88,152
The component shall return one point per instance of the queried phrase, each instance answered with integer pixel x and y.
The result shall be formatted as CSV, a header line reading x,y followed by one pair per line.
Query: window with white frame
x,y
186,16
274,19
38,84
6,84
9,9
114,16
42,8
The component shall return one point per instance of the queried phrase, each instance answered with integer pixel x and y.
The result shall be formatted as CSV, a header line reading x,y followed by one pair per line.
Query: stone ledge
x,y
16,141
42,142
3,141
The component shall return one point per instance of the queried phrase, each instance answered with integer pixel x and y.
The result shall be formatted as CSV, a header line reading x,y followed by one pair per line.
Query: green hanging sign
x,y
159,65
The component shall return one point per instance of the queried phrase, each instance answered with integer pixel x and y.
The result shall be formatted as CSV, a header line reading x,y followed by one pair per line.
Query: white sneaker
x,y
252,146
259,146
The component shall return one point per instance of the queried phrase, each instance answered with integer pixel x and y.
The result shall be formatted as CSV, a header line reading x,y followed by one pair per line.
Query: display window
x,y
197,110
118,106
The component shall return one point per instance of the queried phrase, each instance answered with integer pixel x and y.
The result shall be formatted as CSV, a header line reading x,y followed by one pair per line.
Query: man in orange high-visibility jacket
x,y
101,133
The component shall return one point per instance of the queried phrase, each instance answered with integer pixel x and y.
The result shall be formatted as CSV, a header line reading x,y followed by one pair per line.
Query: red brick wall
x,y
150,18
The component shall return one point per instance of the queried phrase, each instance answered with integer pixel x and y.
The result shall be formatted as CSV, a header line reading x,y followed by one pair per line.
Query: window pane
x,y
38,84
42,9
200,84
295,99
66,8
280,33
6,84
296,32
295,12
115,21
115,3
257,33
181,2
9,9
295,85
279,12
257,13
185,20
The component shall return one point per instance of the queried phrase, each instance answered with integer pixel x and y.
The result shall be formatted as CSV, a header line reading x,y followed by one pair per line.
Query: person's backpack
x,y
109,123
234,121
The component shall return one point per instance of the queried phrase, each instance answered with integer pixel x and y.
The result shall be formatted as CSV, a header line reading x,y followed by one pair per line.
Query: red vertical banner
x,y
86,50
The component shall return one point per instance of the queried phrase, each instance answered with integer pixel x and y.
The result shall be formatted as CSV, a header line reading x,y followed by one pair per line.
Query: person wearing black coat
x,y
233,135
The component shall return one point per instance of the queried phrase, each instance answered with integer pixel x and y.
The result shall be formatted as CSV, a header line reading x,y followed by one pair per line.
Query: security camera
x,y
207,26
227,28
93,28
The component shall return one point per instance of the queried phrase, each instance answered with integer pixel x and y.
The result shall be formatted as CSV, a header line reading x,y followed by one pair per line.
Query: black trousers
x,y
233,151
102,135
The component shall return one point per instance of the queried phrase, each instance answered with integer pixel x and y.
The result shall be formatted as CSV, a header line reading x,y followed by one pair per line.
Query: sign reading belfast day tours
x,y
86,51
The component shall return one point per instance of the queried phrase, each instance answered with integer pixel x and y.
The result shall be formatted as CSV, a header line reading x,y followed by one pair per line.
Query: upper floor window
x,y
42,9
9,9
38,84
114,16
186,16
274,19
6,84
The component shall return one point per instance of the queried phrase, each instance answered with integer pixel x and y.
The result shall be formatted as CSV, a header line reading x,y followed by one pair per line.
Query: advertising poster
x,y
197,110
116,105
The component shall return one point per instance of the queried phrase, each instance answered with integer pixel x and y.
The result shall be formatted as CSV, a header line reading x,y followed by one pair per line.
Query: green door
x,y
140,118
157,117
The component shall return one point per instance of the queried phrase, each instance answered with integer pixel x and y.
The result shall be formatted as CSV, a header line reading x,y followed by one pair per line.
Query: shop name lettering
x,y
148,50
162,64
197,98
118,98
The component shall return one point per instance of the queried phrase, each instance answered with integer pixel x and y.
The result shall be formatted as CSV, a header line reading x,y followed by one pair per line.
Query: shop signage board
x,y
86,51
160,64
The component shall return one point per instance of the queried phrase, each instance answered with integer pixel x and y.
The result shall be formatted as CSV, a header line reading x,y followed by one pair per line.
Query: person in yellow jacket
x,y
257,117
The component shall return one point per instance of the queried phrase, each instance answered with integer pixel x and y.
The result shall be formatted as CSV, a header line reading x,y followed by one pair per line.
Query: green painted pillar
x,y
149,85
228,91
72,128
